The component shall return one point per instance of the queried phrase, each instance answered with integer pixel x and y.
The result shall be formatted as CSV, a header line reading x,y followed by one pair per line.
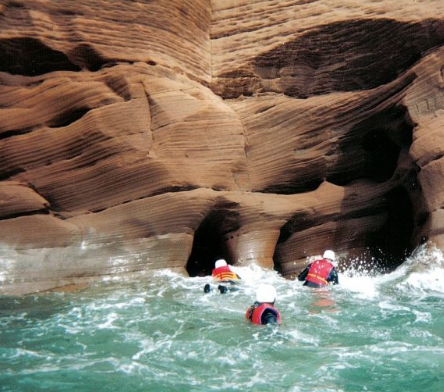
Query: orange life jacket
x,y
224,273
254,313
319,272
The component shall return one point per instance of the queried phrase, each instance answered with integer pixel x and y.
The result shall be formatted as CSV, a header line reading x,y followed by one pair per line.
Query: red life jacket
x,y
319,271
254,313
224,273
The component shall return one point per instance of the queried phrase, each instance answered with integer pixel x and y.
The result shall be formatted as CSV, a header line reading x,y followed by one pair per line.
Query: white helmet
x,y
220,263
266,293
329,254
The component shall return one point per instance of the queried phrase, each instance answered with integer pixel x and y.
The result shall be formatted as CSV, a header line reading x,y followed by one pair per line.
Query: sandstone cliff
x,y
137,135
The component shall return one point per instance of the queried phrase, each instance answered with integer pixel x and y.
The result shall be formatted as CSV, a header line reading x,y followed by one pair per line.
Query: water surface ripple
x,y
370,333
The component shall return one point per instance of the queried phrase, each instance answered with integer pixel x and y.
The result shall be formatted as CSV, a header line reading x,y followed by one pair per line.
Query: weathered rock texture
x,y
137,135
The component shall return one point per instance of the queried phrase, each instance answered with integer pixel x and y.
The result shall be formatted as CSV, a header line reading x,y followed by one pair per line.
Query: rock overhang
x,y
172,152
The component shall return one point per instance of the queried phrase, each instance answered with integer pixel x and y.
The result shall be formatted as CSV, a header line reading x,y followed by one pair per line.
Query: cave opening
x,y
209,244
370,151
382,155
393,242
387,247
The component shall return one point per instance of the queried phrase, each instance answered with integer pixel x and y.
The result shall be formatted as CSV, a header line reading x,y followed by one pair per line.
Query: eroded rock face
x,y
167,134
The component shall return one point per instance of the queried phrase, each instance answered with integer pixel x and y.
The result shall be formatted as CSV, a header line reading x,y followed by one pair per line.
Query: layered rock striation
x,y
138,135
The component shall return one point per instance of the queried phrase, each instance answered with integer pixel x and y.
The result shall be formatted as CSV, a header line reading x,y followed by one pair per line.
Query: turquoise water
x,y
371,333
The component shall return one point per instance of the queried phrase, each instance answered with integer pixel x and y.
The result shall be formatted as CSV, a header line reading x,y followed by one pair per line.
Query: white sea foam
x,y
421,273
166,333
365,287
422,317
108,322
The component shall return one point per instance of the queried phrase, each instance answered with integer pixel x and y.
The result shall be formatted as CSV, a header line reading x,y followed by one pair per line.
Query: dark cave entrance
x,y
387,134
379,140
370,151
393,243
209,244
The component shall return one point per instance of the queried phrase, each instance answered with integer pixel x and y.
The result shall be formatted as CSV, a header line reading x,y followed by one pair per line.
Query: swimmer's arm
x,y
303,274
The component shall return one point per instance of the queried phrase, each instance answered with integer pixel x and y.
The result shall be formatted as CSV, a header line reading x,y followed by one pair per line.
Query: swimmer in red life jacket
x,y
321,272
263,311
222,273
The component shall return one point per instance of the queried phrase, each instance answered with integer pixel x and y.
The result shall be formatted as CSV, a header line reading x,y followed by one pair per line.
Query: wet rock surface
x,y
144,135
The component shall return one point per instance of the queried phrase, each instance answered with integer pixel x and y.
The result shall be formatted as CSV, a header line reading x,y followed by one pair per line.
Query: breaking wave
x,y
370,333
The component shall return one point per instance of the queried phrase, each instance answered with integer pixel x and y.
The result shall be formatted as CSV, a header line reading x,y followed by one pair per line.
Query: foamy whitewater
x,y
370,333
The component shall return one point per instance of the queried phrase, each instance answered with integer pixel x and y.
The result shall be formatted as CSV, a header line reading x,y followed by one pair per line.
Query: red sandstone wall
x,y
143,135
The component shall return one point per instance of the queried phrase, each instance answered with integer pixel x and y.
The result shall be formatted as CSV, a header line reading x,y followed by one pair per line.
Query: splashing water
x,y
370,333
